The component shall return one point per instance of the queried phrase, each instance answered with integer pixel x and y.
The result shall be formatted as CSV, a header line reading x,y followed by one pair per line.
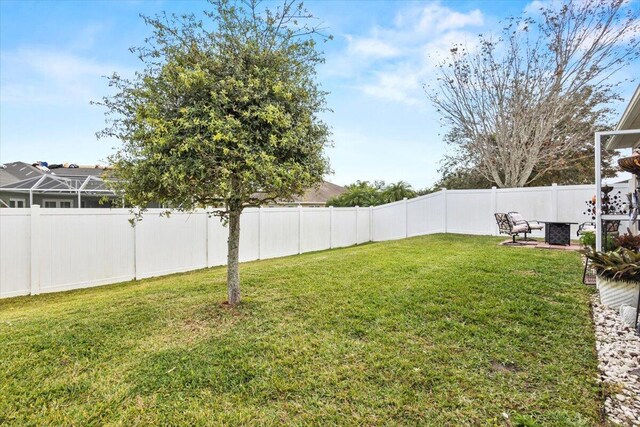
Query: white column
x,y
36,249
598,141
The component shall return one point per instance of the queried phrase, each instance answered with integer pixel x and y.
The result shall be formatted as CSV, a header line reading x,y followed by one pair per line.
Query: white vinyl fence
x,y
48,250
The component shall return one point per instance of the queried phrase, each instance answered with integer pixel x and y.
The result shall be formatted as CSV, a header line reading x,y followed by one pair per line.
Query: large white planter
x,y
614,293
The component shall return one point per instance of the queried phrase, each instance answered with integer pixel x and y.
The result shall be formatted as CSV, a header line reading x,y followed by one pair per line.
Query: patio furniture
x,y
507,226
586,227
557,233
531,225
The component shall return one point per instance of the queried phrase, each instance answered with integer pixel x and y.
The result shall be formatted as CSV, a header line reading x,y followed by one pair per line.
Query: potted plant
x,y
618,275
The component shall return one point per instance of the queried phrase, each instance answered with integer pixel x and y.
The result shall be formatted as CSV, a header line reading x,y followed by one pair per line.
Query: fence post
x,y
357,209
371,223
406,217
330,227
554,202
36,247
494,207
206,237
299,229
259,232
444,194
135,226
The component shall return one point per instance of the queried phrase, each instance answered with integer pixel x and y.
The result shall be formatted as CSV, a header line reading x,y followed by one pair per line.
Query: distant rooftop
x,y
19,171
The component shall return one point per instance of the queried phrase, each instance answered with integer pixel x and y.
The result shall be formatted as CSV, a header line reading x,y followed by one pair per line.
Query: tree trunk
x,y
233,270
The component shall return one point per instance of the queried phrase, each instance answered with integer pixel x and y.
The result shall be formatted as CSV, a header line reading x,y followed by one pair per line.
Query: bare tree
x,y
529,101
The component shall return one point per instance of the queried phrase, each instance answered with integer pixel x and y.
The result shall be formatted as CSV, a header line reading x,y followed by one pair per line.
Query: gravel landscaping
x,y
619,362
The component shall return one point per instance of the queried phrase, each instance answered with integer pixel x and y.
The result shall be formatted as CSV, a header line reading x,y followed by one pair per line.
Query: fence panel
x,y
425,214
364,225
315,228
343,227
15,252
217,241
249,235
389,221
166,245
80,248
279,232
469,211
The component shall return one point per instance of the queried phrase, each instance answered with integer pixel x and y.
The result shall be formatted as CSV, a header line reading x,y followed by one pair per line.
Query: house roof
x,y
313,196
321,194
630,120
17,171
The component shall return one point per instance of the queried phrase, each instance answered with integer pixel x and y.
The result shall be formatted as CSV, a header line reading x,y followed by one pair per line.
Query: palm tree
x,y
397,191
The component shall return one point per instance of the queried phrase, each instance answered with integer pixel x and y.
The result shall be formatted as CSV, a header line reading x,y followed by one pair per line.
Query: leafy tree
x,y
526,105
361,193
225,108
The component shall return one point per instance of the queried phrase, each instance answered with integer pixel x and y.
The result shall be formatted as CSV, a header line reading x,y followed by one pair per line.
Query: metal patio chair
x,y
531,225
507,226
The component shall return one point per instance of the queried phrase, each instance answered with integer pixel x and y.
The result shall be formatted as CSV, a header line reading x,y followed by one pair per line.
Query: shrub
x,y
588,239
628,241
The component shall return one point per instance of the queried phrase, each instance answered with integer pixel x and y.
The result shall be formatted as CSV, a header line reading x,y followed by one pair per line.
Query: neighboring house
x,y
52,186
315,197
62,186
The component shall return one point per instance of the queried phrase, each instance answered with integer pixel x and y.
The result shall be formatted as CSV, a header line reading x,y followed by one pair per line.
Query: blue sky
x,y
53,54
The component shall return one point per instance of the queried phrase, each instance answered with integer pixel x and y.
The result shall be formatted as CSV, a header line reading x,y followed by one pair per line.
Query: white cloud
x,y
369,47
51,77
435,16
394,62
534,8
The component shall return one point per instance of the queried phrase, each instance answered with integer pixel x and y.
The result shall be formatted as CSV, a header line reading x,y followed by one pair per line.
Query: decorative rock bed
x,y
618,349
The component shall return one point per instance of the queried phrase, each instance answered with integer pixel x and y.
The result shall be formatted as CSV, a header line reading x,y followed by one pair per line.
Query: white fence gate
x,y
48,250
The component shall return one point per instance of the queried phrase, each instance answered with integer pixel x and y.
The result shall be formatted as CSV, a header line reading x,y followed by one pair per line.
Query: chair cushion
x,y
515,216
521,228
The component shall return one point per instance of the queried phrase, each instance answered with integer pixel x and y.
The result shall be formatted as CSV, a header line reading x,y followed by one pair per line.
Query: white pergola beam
x,y
598,166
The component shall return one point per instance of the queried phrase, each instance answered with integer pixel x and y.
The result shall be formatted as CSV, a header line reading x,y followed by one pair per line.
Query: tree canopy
x,y
225,108
524,106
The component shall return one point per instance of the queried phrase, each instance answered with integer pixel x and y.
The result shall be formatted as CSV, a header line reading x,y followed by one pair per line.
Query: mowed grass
x,y
440,330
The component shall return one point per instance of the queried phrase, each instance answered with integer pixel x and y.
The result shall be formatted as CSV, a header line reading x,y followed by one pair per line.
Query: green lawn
x,y
440,330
